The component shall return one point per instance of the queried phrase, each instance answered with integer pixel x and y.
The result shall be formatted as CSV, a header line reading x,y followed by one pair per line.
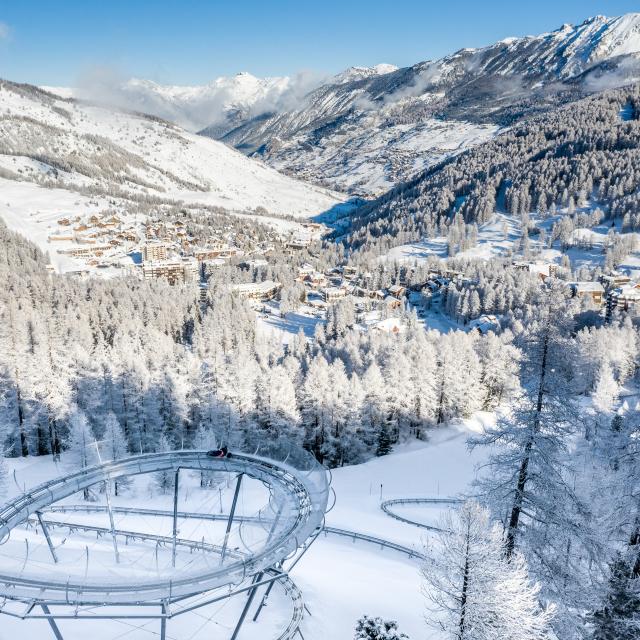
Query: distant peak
x,y
359,73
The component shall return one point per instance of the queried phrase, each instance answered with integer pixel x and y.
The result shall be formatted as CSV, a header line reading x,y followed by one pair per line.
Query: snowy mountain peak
x,y
359,73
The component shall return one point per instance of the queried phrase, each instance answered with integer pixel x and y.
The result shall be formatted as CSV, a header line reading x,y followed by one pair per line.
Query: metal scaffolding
x,y
298,494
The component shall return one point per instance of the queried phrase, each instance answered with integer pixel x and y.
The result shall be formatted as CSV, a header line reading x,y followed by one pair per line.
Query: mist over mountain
x,y
367,133
369,128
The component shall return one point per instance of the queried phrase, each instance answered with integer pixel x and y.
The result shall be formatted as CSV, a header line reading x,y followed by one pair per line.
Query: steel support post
x,y
230,520
243,615
264,600
163,624
175,517
52,622
112,524
45,530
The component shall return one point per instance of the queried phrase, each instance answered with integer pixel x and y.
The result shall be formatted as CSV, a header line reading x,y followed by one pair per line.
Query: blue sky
x,y
194,41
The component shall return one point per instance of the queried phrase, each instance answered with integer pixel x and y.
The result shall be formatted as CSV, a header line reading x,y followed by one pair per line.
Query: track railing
x,y
388,504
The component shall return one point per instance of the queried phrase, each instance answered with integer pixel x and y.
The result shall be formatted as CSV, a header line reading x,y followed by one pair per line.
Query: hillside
x,y
367,132
581,157
55,142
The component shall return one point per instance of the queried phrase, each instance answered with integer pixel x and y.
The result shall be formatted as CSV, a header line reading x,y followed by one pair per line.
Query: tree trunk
x,y
523,474
465,588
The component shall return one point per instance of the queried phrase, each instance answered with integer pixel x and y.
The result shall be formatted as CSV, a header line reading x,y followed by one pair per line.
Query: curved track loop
x,y
289,587
303,489
388,504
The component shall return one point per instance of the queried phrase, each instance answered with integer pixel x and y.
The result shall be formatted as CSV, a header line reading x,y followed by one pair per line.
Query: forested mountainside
x,y
367,132
172,370
586,153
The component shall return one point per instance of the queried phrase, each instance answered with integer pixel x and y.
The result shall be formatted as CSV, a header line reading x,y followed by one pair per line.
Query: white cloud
x,y
4,31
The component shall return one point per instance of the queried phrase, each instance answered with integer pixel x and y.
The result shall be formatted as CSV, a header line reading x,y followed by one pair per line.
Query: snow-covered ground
x,y
494,239
340,579
60,149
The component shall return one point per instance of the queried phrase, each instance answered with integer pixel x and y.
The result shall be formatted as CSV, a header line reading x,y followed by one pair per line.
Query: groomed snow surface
x,y
340,579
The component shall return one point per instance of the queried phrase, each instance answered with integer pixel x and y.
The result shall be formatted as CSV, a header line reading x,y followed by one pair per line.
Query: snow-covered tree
x,y
473,590
82,451
377,629
605,395
163,481
114,447
619,617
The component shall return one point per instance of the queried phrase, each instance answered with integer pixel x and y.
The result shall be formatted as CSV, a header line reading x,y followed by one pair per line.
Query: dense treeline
x,y
168,368
587,152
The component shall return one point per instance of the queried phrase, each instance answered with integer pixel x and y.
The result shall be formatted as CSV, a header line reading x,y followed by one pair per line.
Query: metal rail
x,y
304,491
387,504
284,580
387,544
383,544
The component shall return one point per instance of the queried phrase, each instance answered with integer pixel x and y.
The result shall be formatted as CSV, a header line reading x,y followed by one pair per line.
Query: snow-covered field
x,y
340,579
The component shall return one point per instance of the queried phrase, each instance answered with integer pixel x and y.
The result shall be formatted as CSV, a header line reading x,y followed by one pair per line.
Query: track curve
x,y
387,505
299,482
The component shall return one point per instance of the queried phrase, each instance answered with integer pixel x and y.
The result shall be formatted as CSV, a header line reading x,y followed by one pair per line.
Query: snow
x,y
285,328
340,579
229,179
492,242
366,159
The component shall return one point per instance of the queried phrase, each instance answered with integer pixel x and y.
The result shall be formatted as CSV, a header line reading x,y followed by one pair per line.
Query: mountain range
x,y
368,129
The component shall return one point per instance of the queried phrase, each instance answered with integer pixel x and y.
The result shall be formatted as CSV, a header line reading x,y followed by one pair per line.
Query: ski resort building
x,y
85,251
258,290
175,271
594,290
153,251
625,298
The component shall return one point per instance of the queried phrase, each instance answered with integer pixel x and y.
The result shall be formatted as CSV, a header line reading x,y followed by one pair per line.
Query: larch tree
x,y
82,447
473,590
114,447
526,479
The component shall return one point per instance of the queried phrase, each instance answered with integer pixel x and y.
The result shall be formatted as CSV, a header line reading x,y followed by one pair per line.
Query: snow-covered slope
x,y
365,131
55,142
370,128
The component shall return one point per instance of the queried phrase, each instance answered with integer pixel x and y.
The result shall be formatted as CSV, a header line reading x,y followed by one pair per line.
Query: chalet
x,y
392,303
331,294
304,271
543,270
64,222
315,300
316,279
614,280
390,325
625,298
593,290
299,242
397,291
484,324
